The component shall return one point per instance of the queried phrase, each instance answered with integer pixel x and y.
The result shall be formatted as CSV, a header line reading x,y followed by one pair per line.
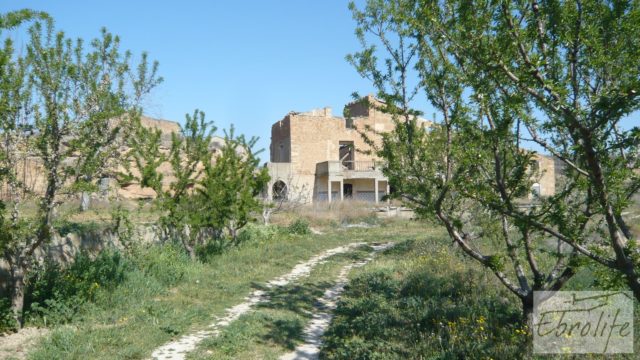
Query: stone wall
x,y
63,249
546,174
31,173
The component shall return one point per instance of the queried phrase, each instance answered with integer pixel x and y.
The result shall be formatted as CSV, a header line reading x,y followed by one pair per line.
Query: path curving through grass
x,y
178,349
310,349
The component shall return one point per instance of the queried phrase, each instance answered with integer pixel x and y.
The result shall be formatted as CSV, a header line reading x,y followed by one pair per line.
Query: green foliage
x,y
7,322
64,227
55,294
299,227
212,248
58,295
64,105
418,304
254,233
210,195
230,187
502,76
122,226
166,263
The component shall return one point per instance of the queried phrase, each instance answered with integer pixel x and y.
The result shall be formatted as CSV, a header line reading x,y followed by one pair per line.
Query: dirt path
x,y
16,345
321,319
178,349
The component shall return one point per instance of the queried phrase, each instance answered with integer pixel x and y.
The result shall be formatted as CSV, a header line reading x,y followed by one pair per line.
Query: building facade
x,y
315,156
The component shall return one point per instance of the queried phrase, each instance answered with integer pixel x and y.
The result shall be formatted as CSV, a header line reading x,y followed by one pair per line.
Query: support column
x,y
388,192
329,189
341,189
375,187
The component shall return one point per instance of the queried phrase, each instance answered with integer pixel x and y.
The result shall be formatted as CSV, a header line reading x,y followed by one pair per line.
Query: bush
x,y
167,263
66,227
299,227
7,322
55,294
211,249
413,309
258,233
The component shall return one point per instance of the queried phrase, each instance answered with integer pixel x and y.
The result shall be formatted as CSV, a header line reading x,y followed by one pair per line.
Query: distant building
x,y
322,157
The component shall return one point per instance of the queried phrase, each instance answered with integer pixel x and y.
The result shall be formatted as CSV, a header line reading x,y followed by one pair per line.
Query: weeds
x,y
55,294
299,227
417,304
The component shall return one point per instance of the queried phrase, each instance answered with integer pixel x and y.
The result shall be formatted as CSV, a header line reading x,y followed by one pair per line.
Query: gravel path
x,y
17,345
178,349
321,319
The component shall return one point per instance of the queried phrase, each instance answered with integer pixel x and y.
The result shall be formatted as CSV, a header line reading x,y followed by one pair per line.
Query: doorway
x,y
347,190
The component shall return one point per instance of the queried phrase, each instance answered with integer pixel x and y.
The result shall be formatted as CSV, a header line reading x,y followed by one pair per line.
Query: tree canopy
x,y
504,75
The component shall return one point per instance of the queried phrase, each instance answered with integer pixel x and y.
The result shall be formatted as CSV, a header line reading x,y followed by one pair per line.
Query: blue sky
x,y
243,62
246,62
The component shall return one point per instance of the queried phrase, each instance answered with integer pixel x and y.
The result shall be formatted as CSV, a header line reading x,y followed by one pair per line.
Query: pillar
x,y
329,189
375,187
388,192
341,189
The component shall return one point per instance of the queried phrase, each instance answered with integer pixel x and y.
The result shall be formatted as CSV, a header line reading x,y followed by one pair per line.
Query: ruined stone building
x,y
315,156
31,173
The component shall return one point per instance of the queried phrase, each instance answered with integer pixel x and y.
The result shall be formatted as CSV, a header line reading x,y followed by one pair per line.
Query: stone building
x,y
31,173
319,157
316,156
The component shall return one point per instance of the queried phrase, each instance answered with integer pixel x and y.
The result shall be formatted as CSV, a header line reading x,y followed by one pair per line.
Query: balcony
x,y
349,169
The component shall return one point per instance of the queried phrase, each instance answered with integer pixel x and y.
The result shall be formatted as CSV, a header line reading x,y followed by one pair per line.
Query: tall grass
x,y
164,294
423,300
331,213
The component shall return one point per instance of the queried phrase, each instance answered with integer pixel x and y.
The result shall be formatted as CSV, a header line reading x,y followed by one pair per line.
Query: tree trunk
x,y
233,233
85,201
527,310
186,242
17,293
266,215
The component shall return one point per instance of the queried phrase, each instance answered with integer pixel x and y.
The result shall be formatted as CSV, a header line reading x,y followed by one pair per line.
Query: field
x,y
421,299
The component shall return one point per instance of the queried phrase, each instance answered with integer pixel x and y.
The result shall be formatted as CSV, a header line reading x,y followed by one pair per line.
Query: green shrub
x,y
258,233
167,263
55,294
413,310
65,227
7,322
211,249
299,227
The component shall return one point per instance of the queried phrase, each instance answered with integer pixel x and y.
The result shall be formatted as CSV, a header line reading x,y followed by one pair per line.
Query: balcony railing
x,y
339,167
359,165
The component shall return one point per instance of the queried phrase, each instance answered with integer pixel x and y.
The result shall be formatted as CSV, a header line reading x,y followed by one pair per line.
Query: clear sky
x,y
243,62
246,62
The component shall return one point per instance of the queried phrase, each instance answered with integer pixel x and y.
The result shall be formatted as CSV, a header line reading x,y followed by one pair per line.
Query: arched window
x,y
279,190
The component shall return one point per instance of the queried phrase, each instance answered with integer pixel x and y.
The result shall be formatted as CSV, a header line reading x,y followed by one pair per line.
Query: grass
x,y
276,327
100,211
333,214
145,312
423,300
